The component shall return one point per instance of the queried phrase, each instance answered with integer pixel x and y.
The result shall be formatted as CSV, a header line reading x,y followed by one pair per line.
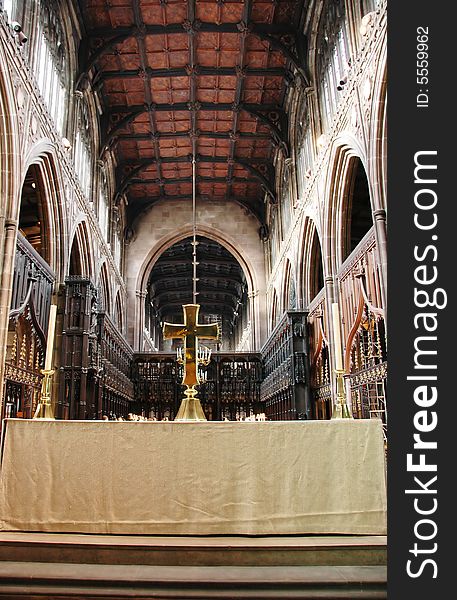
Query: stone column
x,y
380,228
140,296
6,283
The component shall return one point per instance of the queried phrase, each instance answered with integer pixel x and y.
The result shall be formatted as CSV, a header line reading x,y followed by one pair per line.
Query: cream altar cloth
x,y
258,478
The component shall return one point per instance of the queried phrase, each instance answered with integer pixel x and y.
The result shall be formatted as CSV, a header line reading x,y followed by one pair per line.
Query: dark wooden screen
x,y
116,387
230,388
33,281
80,368
286,381
96,359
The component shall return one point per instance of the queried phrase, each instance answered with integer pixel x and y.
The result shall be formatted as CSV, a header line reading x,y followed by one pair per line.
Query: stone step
x,y
64,581
194,551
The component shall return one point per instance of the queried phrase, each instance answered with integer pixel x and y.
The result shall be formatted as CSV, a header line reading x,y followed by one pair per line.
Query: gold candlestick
x,y
44,408
340,408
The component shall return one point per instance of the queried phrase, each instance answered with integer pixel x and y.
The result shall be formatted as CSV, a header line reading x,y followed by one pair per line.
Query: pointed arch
x,y
119,312
311,272
274,310
43,158
348,210
80,260
289,288
104,290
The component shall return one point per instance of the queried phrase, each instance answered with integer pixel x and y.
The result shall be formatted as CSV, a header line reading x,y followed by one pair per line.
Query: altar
x,y
184,478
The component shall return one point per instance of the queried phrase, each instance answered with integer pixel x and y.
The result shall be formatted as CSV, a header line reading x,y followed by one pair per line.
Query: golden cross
x,y
191,332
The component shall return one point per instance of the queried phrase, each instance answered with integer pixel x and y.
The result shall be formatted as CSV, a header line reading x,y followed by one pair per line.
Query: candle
x,y
337,337
50,338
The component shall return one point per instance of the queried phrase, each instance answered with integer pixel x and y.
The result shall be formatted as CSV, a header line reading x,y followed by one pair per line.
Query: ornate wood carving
x,y
286,382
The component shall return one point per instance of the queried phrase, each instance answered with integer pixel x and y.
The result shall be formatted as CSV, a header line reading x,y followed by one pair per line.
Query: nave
x,y
151,146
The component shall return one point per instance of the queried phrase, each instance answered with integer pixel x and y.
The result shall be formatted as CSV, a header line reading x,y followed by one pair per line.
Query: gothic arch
x,y
274,311
104,290
9,145
310,278
80,259
289,288
119,312
213,234
43,159
209,232
345,162
9,198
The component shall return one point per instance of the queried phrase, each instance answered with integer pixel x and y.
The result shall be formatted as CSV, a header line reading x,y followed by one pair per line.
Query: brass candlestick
x,y
44,408
340,408
190,409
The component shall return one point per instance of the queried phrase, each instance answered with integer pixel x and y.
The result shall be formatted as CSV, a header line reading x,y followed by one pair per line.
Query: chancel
x,y
193,348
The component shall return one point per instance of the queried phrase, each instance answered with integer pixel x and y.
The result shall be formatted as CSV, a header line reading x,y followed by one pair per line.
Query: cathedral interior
x,y
156,155
127,126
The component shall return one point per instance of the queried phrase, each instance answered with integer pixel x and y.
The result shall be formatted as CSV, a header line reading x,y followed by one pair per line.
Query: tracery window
x,y
103,204
50,64
275,235
82,155
117,229
286,202
305,146
332,58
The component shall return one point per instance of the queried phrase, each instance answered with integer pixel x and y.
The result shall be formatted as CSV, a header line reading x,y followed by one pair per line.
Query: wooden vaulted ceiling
x,y
179,78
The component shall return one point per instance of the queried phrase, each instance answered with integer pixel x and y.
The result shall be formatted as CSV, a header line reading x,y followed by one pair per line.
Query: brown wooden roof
x,y
179,77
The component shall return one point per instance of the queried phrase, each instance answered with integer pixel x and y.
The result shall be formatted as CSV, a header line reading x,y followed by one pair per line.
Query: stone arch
x,y
10,159
80,259
41,157
104,297
209,232
311,272
289,288
274,311
10,155
119,312
347,156
212,233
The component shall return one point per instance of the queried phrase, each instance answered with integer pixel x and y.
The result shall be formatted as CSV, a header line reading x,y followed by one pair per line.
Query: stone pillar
x,y
140,296
6,282
380,228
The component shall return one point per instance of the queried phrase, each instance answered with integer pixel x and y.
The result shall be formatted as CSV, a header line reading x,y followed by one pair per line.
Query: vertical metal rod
x,y
194,233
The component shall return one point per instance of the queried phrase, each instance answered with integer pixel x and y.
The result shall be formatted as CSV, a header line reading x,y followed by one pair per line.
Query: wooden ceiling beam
x,y
201,134
199,70
144,65
160,277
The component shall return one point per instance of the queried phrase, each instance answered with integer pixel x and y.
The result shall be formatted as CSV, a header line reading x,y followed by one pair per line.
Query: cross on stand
x,y
190,332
